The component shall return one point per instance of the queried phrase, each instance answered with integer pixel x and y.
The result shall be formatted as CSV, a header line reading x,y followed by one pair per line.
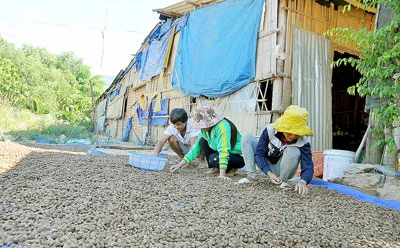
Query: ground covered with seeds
x,y
59,196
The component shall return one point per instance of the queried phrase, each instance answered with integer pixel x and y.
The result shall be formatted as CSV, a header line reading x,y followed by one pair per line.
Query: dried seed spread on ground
x,y
60,196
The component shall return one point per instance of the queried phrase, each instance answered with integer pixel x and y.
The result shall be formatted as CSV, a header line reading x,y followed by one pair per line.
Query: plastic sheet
x,y
357,194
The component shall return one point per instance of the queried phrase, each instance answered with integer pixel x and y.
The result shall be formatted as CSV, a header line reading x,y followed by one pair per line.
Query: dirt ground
x,y
60,196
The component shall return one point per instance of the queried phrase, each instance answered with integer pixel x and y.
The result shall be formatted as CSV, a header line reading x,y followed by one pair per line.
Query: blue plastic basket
x,y
147,162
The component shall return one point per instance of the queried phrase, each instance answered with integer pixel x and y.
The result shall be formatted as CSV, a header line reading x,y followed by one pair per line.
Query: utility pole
x,y
94,113
103,33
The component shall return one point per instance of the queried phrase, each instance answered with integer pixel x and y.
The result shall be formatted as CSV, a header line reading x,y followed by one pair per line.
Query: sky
x,y
78,26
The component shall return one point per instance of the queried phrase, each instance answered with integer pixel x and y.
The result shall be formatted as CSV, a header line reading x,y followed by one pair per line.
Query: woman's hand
x,y
225,178
222,175
176,167
301,187
274,179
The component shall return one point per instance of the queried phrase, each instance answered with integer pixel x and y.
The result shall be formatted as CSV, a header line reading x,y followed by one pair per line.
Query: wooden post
x,y
373,154
94,116
287,65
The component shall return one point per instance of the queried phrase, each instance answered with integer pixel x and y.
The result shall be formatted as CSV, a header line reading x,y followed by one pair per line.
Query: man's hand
x,y
274,179
301,187
176,167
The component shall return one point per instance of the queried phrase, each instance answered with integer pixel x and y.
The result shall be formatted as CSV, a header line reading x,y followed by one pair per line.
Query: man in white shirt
x,y
180,135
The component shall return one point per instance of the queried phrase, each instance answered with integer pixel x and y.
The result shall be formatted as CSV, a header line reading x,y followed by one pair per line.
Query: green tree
x,y
11,89
378,64
45,83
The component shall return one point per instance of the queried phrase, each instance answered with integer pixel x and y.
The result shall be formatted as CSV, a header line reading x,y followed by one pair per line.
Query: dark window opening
x,y
125,106
264,96
125,102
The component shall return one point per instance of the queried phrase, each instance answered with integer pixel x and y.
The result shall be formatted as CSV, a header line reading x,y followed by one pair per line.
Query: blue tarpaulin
x,y
114,94
139,61
128,130
161,30
143,114
154,57
160,118
217,48
128,68
157,118
357,194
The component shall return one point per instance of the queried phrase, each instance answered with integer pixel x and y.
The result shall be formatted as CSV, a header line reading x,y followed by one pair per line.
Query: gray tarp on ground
x,y
101,108
238,107
100,122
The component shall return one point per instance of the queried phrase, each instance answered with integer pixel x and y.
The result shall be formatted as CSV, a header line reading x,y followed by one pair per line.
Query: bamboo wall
x,y
276,28
311,16
136,88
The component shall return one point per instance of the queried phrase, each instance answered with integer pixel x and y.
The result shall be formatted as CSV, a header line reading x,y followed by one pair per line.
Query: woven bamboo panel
x,y
311,16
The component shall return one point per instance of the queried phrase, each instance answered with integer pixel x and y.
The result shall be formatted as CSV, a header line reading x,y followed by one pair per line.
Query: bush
x,y
22,125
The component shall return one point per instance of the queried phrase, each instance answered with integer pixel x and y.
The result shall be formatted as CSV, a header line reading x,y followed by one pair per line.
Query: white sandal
x,y
244,180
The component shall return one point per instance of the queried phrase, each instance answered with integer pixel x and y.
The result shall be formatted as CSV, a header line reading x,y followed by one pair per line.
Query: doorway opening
x,y
349,120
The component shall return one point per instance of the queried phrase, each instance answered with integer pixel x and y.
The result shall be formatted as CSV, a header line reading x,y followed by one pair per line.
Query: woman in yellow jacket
x,y
220,141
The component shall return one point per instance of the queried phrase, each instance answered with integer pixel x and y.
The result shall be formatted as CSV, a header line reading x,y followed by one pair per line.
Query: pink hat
x,y
205,117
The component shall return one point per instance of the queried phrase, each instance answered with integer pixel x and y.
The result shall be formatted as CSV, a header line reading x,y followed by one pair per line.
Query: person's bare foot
x,y
252,181
202,164
231,173
212,170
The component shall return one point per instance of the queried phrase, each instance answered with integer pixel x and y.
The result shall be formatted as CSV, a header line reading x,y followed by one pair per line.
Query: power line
x,y
70,26
102,45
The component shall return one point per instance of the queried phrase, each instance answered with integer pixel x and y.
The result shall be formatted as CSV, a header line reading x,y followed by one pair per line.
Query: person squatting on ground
x,y
281,147
179,134
220,141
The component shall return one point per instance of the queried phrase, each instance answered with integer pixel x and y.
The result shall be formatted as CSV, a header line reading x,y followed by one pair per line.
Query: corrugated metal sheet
x,y
181,8
312,84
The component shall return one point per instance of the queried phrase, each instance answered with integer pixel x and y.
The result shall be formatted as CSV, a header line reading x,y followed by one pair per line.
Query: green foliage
x,y
44,83
11,88
22,125
378,63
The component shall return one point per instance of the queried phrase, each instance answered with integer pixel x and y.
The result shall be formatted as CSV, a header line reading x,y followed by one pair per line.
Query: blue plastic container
x,y
147,162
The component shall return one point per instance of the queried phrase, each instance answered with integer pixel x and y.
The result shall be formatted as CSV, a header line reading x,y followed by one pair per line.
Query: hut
x,y
249,59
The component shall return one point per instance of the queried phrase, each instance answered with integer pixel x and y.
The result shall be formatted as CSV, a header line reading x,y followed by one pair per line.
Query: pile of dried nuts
x,y
67,198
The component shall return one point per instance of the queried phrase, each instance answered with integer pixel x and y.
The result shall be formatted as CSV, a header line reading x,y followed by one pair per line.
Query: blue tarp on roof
x,y
128,68
114,93
217,48
153,57
139,61
161,30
